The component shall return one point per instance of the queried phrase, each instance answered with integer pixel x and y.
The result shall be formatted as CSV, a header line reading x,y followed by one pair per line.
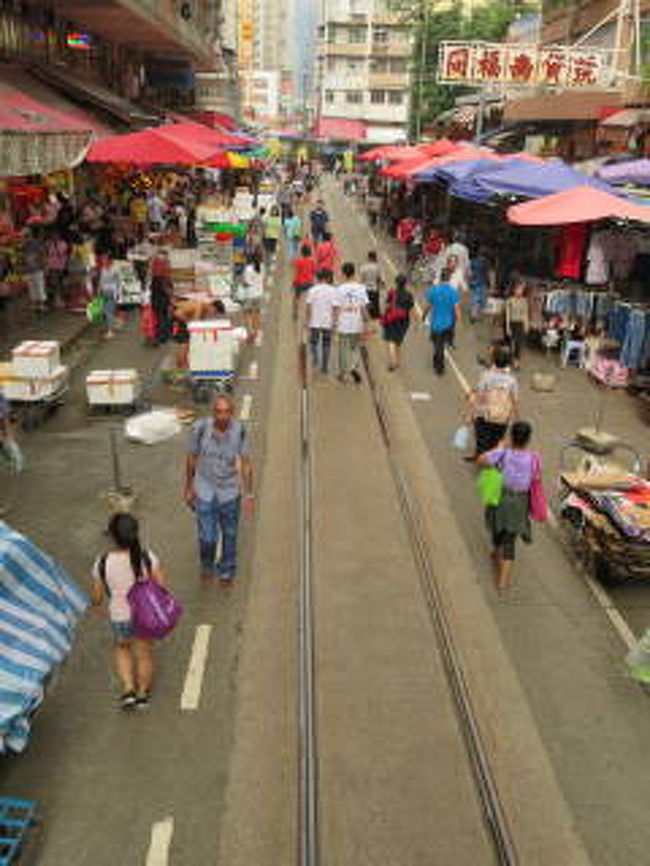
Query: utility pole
x,y
424,23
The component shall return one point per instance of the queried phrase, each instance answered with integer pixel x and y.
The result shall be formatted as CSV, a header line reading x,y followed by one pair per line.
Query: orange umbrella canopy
x,y
578,205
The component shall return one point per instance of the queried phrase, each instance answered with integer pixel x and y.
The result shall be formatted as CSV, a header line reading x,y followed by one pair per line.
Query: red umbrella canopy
x,y
189,131
149,147
577,205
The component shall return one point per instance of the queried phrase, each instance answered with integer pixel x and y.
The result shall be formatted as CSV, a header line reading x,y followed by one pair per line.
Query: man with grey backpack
x,y
218,482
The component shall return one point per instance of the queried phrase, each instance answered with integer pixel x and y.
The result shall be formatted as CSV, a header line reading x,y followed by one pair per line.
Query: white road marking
x,y
246,407
161,839
420,396
191,695
458,373
253,371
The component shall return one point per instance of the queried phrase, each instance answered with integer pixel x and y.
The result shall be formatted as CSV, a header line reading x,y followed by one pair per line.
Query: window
x,y
380,36
357,34
353,66
354,96
379,64
377,97
396,97
398,64
329,96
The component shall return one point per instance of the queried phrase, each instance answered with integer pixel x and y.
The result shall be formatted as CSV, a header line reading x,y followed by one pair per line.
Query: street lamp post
x,y
424,18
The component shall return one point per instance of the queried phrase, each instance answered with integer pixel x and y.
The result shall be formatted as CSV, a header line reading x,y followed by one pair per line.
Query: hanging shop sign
x,y
528,65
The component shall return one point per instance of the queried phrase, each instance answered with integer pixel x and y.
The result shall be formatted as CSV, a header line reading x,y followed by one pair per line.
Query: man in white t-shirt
x,y
350,323
321,306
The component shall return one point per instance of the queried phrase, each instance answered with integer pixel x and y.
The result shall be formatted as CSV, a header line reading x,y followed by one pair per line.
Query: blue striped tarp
x,y
40,606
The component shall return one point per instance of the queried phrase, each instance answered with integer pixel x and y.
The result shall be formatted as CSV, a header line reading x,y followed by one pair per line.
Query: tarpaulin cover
x,y
636,171
40,607
422,168
190,132
577,205
520,178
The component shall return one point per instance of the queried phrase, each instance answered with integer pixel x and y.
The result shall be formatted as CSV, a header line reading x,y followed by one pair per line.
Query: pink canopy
x,y
407,168
189,131
577,205
395,152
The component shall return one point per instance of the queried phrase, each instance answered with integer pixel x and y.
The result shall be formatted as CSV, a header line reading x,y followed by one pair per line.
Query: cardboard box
x,y
36,358
112,387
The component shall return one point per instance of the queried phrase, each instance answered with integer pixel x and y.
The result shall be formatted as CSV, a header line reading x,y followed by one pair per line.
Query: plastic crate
x,y
17,818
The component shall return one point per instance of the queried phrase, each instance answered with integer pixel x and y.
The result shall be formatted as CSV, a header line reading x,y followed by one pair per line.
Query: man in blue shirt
x,y
443,307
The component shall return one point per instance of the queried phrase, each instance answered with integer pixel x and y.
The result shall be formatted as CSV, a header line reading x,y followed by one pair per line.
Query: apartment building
x,y
363,75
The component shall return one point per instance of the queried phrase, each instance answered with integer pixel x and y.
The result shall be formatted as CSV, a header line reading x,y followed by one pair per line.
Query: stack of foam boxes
x,y
213,349
112,387
35,372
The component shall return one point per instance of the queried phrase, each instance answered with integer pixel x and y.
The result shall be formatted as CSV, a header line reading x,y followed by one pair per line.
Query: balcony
x,y
388,80
390,49
343,49
149,25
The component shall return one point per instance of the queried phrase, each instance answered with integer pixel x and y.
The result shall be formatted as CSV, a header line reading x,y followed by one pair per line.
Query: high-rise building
x,y
363,77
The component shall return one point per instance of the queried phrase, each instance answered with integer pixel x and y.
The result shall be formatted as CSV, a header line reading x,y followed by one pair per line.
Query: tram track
x,y
469,729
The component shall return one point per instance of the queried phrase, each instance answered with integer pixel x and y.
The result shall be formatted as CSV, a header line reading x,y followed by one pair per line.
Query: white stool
x,y
573,350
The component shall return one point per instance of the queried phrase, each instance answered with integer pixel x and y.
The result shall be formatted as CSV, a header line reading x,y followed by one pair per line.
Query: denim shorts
x,y
122,630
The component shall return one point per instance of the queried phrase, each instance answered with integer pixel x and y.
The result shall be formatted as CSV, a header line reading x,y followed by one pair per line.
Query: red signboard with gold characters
x,y
524,65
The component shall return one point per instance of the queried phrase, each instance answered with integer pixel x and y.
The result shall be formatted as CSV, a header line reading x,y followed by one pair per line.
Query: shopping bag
x,y
13,454
537,504
489,483
154,610
462,438
638,660
95,310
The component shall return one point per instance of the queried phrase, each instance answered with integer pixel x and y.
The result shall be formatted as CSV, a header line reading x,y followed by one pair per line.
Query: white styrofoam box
x,y
36,358
30,389
112,387
212,346
182,258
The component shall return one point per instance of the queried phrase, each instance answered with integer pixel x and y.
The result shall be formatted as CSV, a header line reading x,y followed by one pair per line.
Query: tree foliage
x,y
489,22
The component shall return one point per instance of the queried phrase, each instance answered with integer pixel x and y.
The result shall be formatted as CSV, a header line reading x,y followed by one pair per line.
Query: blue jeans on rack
x,y
633,342
216,520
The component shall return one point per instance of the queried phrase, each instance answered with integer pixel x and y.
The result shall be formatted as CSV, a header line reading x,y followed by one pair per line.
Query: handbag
x,y
154,610
537,503
489,483
95,310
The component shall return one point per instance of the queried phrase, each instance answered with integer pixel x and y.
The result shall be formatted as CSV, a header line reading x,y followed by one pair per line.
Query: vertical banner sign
x,y
525,65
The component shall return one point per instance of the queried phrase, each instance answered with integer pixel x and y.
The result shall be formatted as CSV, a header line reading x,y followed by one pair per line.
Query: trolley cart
x,y
212,357
33,400
604,511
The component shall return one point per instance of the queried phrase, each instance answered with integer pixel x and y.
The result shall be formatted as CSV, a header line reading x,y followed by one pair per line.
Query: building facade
x,y
363,72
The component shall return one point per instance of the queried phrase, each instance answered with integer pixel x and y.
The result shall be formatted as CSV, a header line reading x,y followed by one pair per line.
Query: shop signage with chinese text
x,y
525,65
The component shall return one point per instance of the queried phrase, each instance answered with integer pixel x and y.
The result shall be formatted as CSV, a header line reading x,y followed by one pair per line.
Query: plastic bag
x,y
95,310
12,452
153,427
489,483
462,438
154,610
638,660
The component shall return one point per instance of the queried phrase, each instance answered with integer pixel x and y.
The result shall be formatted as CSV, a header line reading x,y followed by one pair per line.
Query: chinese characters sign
x,y
532,65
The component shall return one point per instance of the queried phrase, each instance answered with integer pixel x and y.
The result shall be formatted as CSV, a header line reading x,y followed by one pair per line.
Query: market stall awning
x,y
149,147
524,179
577,205
190,132
419,169
569,105
627,118
39,133
340,129
636,171
454,170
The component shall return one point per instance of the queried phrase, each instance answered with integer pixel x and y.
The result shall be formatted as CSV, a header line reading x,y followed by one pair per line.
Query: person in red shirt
x,y
304,272
327,254
405,230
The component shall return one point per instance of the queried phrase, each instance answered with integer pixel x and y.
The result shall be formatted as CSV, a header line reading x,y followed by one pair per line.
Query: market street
x,y
200,766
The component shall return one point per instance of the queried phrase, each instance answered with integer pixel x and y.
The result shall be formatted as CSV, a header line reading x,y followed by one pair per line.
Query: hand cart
x,y
19,830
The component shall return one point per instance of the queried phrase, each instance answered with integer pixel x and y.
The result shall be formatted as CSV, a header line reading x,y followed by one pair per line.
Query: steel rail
x,y
309,852
487,790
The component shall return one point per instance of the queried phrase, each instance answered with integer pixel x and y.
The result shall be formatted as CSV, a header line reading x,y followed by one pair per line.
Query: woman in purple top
x,y
511,517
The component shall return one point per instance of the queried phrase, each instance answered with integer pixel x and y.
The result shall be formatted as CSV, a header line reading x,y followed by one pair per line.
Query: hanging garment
x,y
570,250
634,340
598,259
